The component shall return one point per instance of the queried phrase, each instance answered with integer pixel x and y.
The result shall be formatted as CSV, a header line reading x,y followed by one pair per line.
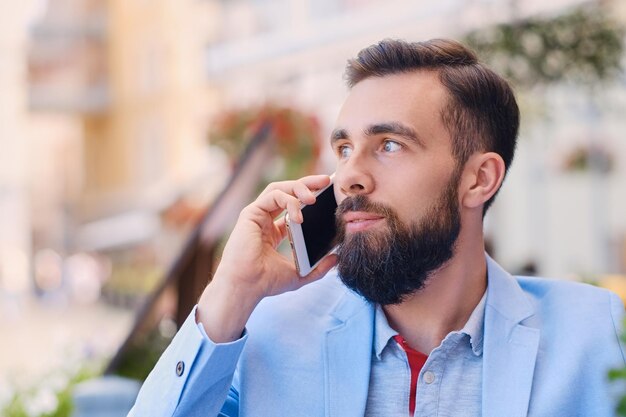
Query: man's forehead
x,y
406,98
427,81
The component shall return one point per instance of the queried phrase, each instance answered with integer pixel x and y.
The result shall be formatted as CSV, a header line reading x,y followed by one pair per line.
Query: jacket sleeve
x,y
618,315
193,377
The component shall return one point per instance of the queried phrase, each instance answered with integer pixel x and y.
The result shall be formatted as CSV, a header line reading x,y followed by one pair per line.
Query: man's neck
x,y
444,305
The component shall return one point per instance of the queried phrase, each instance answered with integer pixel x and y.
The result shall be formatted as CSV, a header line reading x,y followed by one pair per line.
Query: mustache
x,y
362,203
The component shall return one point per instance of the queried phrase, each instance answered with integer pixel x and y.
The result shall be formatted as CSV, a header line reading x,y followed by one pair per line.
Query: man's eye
x,y
391,146
344,151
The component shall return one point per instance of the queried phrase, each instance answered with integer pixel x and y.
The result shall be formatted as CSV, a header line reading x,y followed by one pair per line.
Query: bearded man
x,y
415,319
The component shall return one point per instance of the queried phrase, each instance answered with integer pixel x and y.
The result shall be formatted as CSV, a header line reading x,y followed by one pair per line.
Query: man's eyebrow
x,y
338,134
395,128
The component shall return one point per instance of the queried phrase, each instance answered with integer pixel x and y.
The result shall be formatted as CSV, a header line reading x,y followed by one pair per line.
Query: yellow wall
x,y
154,125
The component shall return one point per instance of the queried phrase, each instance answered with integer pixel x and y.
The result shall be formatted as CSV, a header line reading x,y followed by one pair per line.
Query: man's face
x,y
396,182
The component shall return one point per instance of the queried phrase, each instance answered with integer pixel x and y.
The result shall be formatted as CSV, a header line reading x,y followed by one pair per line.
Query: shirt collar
x,y
382,331
474,328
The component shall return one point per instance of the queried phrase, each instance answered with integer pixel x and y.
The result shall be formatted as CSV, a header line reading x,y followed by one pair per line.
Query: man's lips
x,y
356,221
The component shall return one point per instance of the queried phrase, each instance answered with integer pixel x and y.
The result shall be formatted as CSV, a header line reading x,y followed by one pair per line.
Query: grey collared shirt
x,y
450,382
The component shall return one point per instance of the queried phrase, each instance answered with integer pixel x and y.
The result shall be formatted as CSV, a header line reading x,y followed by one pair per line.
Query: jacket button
x,y
180,368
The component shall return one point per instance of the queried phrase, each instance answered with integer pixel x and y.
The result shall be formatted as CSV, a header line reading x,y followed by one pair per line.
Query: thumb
x,y
322,269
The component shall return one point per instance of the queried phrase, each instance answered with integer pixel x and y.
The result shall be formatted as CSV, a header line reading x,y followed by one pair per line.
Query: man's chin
x,y
363,244
382,293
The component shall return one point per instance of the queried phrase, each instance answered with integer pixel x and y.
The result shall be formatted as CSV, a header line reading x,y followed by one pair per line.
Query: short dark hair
x,y
481,114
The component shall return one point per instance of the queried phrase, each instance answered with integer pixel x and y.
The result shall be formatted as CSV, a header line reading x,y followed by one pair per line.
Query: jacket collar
x,y
510,346
348,357
509,350
505,296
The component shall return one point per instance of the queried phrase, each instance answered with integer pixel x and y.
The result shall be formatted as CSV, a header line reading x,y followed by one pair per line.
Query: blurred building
x,y
559,221
129,77
106,105
296,50
15,223
133,86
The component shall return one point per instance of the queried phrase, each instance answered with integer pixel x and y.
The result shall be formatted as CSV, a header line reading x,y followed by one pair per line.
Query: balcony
x,y
67,64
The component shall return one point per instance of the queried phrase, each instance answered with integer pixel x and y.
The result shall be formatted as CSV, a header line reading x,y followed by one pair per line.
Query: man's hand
x,y
251,268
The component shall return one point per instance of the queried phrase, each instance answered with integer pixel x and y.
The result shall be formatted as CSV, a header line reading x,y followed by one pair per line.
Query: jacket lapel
x,y
348,357
510,348
509,353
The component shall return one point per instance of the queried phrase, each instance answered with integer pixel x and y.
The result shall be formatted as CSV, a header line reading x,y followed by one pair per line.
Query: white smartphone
x,y
315,237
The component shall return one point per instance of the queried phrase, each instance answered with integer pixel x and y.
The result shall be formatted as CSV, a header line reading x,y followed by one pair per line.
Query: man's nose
x,y
353,177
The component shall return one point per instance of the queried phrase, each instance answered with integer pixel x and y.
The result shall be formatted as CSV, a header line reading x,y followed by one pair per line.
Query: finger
x,y
303,193
276,201
322,269
312,183
281,225
315,182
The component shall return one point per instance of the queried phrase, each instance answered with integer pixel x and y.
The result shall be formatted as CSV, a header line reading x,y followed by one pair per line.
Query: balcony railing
x,y
191,270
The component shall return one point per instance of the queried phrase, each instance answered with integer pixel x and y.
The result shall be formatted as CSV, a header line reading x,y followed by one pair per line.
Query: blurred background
x,y
133,131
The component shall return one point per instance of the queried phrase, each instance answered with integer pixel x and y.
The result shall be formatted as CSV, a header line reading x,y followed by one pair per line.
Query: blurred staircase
x,y
191,270
187,276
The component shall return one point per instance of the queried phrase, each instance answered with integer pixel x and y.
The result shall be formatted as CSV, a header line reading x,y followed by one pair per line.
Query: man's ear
x,y
482,176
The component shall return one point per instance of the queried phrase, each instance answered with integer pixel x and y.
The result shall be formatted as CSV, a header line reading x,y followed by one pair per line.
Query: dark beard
x,y
387,266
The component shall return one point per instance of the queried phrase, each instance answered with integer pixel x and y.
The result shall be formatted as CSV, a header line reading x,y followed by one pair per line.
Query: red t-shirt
x,y
416,362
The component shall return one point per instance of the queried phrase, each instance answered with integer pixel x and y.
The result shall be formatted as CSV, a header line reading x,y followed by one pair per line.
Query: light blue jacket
x,y
548,346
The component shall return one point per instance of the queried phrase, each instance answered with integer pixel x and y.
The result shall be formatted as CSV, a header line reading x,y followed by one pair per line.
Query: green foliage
x,y
589,158
584,46
296,135
616,375
140,358
51,397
